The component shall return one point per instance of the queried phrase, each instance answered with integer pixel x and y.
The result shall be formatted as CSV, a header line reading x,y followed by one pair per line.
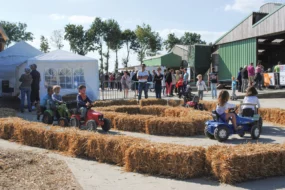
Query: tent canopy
x,y
68,70
61,56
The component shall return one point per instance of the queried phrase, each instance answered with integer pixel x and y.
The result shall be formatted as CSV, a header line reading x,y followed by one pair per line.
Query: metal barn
x,y
259,37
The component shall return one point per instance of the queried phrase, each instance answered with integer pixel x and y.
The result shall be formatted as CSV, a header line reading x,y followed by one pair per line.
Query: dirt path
x,y
26,170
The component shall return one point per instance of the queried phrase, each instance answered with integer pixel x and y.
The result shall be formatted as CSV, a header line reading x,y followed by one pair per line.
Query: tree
x,y
129,38
171,41
78,39
96,37
16,32
111,38
191,38
56,39
148,40
44,47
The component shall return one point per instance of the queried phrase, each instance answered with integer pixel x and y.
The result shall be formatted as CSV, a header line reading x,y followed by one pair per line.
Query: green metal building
x,y
169,60
260,37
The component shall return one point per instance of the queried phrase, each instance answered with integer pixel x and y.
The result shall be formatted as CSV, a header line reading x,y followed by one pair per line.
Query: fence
x,y
114,90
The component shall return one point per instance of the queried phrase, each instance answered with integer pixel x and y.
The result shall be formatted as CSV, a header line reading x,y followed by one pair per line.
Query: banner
x,y
282,78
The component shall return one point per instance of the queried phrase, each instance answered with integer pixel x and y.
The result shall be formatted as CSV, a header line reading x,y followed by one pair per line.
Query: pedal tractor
x,y
92,120
248,118
60,112
194,103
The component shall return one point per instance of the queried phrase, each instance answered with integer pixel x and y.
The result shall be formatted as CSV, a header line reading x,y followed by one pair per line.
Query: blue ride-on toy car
x,y
248,118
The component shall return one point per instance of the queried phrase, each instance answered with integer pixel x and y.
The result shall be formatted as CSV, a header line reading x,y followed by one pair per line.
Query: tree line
x,y
104,33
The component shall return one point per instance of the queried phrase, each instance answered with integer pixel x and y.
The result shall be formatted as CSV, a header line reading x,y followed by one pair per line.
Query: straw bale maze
x,y
226,163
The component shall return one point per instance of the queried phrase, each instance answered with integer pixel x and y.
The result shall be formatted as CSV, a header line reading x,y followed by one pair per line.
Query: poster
x,y
269,78
282,78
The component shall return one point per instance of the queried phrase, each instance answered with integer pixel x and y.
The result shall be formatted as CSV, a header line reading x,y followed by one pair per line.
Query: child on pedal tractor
x,y
55,96
83,102
187,94
44,102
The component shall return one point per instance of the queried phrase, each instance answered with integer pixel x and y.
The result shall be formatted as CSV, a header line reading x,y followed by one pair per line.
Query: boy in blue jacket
x,y
83,101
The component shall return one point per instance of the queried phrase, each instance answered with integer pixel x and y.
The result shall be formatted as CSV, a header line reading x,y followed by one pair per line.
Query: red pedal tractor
x,y
92,120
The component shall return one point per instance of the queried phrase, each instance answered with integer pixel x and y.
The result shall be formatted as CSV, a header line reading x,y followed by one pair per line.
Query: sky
x,y
209,18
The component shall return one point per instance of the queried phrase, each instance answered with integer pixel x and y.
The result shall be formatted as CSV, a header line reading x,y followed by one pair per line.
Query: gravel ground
x,y
26,170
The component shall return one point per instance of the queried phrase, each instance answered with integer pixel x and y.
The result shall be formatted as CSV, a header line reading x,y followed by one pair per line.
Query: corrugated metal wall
x,y
234,55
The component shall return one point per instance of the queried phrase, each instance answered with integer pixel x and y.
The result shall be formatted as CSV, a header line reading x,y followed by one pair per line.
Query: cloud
x,y
81,19
56,17
244,6
208,36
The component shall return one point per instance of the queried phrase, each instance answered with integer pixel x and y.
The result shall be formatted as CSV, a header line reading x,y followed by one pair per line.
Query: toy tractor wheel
x,y
260,124
107,125
221,133
242,134
63,122
91,125
47,118
255,132
201,107
207,134
74,122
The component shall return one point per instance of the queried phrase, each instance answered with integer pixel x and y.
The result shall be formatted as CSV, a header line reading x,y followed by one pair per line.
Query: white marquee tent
x,y
12,62
69,71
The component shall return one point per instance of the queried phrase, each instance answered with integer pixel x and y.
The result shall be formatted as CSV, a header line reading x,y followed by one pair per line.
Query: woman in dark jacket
x,y
168,82
239,79
25,88
158,77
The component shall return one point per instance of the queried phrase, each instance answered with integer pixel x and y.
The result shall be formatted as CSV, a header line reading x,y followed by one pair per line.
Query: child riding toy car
x,y
60,112
194,103
91,121
248,118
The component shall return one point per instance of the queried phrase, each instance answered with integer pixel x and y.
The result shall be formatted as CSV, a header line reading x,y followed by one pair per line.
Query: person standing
x,y
168,82
251,74
201,86
25,88
125,81
158,78
142,77
185,79
244,76
213,81
173,83
35,86
239,79
177,79
258,77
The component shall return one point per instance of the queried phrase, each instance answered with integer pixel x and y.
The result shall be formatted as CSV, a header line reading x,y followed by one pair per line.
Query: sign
x,y
282,68
282,78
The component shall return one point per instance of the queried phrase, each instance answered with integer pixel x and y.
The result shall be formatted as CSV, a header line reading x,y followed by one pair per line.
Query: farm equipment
x,y
60,112
194,103
92,120
247,117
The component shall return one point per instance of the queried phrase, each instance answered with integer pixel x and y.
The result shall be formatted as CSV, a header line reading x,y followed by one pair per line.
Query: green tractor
x,y
60,112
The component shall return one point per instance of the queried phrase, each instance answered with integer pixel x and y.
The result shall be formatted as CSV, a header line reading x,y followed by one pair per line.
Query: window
x,y
65,78
50,77
78,77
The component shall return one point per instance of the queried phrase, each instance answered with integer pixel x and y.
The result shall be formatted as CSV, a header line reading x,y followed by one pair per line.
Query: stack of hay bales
x,y
106,103
175,103
177,161
7,112
234,164
135,123
153,110
151,102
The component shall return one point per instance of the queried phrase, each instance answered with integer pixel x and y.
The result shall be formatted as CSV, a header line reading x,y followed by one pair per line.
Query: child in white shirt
x,y
251,98
201,86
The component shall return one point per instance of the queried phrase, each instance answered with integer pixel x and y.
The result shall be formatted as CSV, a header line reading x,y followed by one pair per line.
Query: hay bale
x,y
106,103
135,123
209,105
111,116
153,110
234,164
175,126
175,103
110,149
128,109
150,102
7,112
177,161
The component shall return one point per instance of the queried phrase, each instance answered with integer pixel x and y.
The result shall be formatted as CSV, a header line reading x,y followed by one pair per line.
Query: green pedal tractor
x,y
59,112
